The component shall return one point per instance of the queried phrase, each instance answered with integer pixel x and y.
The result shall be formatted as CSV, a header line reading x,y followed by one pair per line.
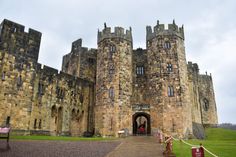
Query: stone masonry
x,y
107,89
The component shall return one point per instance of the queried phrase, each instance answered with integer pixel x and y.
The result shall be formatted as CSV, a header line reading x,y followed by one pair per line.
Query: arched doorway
x,y
141,124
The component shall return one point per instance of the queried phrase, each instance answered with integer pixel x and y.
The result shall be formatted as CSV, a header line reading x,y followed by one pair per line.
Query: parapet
x,y
159,29
118,33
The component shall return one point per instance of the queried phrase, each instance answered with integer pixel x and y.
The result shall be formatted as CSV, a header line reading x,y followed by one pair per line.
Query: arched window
x,y
170,91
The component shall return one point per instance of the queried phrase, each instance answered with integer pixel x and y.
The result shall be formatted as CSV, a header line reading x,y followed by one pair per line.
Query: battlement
x,y
47,71
14,39
193,67
159,29
119,32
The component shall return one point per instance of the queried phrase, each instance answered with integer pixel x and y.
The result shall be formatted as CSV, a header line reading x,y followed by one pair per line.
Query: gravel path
x,y
56,148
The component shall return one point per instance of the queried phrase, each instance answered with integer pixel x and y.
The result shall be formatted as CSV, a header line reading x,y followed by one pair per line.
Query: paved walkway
x,y
28,148
139,146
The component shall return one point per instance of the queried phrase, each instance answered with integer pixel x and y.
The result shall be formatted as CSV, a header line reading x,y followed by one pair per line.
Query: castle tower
x,y
113,81
167,80
15,40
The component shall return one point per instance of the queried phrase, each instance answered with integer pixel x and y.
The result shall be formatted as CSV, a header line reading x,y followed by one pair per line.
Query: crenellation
x,y
119,32
160,30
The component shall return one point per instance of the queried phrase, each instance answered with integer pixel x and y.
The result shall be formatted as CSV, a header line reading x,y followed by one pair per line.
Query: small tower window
x,y
112,48
19,81
167,45
111,93
111,69
40,89
169,67
170,91
139,70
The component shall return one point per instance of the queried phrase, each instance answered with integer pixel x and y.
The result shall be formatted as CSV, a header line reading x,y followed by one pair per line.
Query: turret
x,y
159,29
113,80
118,33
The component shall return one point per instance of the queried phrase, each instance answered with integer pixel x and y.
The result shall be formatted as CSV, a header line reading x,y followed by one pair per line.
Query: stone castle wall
x,y
207,101
44,100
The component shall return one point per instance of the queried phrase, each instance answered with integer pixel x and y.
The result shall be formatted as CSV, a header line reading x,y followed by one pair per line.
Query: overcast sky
x,y
210,32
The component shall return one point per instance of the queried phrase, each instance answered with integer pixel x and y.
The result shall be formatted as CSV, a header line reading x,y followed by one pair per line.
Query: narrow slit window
x,y
111,93
35,123
3,76
40,123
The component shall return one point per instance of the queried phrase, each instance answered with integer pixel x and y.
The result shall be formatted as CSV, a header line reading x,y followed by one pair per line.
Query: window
x,y
3,75
139,70
91,60
40,123
19,81
81,98
112,48
35,123
60,92
40,89
8,121
170,91
169,67
205,104
111,69
111,93
167,45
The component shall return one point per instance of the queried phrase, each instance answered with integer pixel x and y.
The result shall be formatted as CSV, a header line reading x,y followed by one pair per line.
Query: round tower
x,y
168,80
113,81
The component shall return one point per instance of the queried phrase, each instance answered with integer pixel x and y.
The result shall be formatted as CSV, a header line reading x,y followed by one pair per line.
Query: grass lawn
x,y
60,138
221,142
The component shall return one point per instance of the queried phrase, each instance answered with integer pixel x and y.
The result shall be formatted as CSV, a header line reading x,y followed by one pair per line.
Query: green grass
x,y
221,142
60,138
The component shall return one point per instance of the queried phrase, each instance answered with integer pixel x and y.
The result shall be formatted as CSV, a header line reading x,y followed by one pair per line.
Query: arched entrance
x,y
141,124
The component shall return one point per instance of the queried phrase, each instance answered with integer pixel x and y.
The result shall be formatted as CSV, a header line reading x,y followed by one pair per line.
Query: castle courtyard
x,y
139,146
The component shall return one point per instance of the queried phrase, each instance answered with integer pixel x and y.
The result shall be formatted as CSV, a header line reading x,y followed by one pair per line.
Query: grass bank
x,y
221,142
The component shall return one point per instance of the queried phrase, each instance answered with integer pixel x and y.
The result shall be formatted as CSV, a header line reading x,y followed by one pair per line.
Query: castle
x,y
106,89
